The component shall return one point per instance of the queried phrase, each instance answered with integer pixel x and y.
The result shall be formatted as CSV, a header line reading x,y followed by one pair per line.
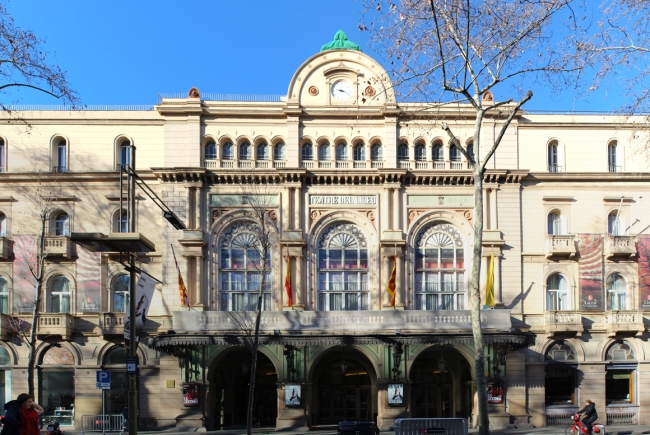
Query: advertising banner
x,y
143,294
24,283
495,391
292,395
643,248
88,280
190,395
590,271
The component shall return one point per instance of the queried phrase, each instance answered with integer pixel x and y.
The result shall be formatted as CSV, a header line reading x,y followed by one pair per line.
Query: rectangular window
x,y
57,396
619,387
560,386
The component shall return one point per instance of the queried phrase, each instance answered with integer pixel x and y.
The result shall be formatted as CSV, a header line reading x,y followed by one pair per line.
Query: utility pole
x,y
133,377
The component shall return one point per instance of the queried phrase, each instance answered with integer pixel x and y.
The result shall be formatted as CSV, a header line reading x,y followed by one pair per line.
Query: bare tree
x,y
462,51
31,261
260,194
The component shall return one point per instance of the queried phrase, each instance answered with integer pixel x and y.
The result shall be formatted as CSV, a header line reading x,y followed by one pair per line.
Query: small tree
x,y
465,49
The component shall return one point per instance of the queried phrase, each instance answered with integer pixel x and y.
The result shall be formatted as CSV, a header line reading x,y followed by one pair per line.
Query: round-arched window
x,y
115,356
376,153
60,295
307,151
211,150
557,291
4,296
343,269
121,286
438,153
616,292
5,358
439,268
620,351
561,351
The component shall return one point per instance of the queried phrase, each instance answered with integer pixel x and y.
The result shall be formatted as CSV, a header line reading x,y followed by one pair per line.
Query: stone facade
x,y
358,184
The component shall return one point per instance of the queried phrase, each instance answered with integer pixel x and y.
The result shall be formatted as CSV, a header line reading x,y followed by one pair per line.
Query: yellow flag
x,y
392,285
489,285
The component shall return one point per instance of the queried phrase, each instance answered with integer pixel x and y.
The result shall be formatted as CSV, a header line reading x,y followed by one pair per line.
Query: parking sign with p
x,y
103,379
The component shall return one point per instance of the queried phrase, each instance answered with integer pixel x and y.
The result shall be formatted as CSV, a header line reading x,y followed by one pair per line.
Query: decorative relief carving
x,y
414,214
194,93
273,215
370,91
218,212
371,216
313,91
467,214
315,215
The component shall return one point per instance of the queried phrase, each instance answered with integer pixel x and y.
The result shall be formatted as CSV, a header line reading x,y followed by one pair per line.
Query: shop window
x,y
438,153
376,153
121,286
4,296
279,152
560,378
403,152
57,395
439,269
557,292
60,295
620,380
341,152
240,273
3,225
343,269
245,151
117,396
210,151
454,154
263,152
324,152
359,152
556,224
420,152
307,151
228,151
616,292
61,224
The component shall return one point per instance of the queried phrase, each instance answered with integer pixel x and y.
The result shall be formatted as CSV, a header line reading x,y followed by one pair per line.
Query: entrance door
x,y
344,393
432,401
432,391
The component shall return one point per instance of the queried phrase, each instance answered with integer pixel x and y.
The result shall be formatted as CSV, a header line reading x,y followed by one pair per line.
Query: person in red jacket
x,y
22,416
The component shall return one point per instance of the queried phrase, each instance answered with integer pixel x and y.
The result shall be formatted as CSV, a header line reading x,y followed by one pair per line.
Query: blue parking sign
x,y
103,379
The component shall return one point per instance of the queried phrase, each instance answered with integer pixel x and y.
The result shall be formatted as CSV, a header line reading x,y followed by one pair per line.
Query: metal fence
x,y
79,108
412,426
250,98
559,420
96,423
614,418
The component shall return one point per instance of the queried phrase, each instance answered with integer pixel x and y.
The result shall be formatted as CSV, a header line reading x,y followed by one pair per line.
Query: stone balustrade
x,y
563,321
620,246
560,246
61,324
58,246
626,322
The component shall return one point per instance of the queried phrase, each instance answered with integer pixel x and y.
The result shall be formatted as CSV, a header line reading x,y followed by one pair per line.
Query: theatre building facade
x,y
355,184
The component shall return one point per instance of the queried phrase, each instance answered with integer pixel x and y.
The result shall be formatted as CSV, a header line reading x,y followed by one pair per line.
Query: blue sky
x,y
126,52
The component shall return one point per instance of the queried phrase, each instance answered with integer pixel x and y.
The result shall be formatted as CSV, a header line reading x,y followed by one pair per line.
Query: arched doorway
x,y
441,385
344,390
231,382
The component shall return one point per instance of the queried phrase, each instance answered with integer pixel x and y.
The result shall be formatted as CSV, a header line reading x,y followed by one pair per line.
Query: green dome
x,y
340,43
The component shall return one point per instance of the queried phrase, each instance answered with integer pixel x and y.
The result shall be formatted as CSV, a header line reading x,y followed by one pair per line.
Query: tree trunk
x,y
481,384
38,277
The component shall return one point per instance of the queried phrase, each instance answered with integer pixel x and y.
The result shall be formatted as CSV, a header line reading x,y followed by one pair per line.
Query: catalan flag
x,y
287,281
391,283
181,285
489,285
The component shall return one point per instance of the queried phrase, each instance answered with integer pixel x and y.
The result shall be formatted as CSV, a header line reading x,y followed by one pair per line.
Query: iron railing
x,y
246,98
67,107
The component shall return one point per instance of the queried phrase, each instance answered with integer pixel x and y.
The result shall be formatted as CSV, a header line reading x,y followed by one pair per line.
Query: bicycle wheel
x,y
569,430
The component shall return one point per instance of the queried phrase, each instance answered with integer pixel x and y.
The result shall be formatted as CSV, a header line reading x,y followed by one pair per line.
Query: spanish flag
x,y
489,285
181,285
391,283
287,281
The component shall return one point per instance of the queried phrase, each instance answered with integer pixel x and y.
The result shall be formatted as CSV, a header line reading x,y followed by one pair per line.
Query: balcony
x,y
5,248
352,322
56,324
7,330
112,323
58,246
563,322
627,323
620,246
560,246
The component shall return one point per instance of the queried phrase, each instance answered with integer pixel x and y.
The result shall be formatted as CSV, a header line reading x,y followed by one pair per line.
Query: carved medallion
x,y
370,91
313,91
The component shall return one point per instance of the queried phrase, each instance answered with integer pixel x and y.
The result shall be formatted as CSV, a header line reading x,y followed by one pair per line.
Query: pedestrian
x,y
22,416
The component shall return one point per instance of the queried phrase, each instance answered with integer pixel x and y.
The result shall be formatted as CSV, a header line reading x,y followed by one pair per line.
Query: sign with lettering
x,y
237,200
440,201
355,200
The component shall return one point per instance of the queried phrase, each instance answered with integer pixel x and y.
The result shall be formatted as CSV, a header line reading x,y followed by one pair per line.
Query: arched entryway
x,y
345,389
442,384
230,382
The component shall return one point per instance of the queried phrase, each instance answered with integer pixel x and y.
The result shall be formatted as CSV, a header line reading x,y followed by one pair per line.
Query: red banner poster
x,y
495,391
643,248
88,281
24,283
590,270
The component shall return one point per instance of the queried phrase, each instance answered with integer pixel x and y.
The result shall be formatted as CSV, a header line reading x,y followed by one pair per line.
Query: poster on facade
x,y
143,295
590,271
643,249
395,394
190,395
24,247
88,280
495,391
292,395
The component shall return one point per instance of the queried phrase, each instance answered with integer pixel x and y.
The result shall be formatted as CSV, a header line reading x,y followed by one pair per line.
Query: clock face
x,y
341,91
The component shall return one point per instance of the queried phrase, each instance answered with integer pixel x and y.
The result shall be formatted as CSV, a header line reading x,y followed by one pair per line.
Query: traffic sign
x,y
131,364
103,379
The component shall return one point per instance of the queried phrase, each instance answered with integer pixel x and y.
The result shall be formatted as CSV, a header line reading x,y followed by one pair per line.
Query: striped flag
x,y
391,283
489,285
181,285
287,281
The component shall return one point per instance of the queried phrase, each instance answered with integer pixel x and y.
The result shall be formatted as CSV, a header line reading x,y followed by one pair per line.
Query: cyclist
x,y
590,415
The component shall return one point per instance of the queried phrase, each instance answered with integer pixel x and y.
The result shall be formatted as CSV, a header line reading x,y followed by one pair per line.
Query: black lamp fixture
x,y
442,364
344,366
290,355
397,359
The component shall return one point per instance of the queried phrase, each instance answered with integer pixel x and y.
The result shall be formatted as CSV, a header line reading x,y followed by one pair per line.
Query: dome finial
x,y
340,43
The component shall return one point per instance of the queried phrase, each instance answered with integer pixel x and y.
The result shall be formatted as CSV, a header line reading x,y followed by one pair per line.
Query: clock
x,y
341,91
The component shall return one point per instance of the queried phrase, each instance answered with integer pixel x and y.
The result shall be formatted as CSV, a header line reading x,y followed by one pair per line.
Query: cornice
x,y
563,177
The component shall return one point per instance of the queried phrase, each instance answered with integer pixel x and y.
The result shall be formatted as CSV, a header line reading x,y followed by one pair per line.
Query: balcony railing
x,y
59,169
56,324
112,323
280,164
58,246
245,164
456,165
563,321
343,164
377,164
264,164
560,246
360,164
228,164
625,322
438,165
404,164
325,164
5,248
421,165
614,168
211,164
308,164
620,246
554,168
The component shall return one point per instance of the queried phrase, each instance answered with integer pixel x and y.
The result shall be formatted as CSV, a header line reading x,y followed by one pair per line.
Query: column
x,y
386,218
299,292
297,207
397,224
493,210
487,205
189,206
291,208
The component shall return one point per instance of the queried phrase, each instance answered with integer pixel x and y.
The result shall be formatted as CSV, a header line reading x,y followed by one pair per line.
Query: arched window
x,y
57,384
560,378
324,152
402,152
4,296
341,152
245,151
3,225
263,151
121,221
211,150
553,158
61,156
343,269
454,154
115,356
615,224
616,292
376,152
612,153
439,268
420,152
556,225
5,358
620,378
60,295
125,152
62,224
470,148
121,293
228,151
240,272
307,151
279,152
620,351
437,153
359,152
561,351
557,291
3,156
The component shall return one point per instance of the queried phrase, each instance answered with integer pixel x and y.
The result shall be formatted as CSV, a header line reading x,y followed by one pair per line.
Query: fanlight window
x,y
241,270
307,151
620,351
439,269
561,351
343,269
